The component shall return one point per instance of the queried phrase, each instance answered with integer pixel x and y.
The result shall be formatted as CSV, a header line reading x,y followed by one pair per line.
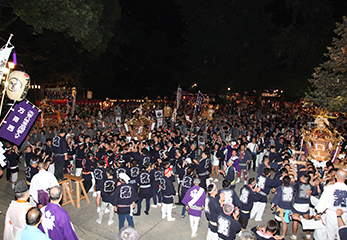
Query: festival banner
x,y
5,52
179,97
160,117
74,96
2,155
68,102
199,100
69,99
18,122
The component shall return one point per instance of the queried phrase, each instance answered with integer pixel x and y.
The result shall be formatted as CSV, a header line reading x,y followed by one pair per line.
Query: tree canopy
x,y
330,78
89,22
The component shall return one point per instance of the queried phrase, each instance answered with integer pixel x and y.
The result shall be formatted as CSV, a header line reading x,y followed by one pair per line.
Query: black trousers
x,y
203,182
243,222
8,174
59,169
87,185
254,159
279,227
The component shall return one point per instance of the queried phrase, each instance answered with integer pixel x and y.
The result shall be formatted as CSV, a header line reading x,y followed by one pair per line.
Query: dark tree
x,y
89,22
330,78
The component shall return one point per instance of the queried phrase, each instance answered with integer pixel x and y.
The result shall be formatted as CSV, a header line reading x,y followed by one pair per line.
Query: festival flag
x,y
18,122
160,117
2,155
179,97
69,102
199,100
69,99
74,96
5,52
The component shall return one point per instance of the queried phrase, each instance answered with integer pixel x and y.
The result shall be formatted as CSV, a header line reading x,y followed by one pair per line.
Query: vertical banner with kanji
x,y
5,52
178,101
179,97
199,100
74,95
18,122
160,117
69,102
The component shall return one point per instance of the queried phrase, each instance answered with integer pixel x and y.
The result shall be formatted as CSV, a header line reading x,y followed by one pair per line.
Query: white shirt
x,y
252,146
15,218
42,181
333,197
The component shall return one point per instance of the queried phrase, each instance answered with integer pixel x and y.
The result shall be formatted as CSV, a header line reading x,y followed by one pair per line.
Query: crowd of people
x,y
184,159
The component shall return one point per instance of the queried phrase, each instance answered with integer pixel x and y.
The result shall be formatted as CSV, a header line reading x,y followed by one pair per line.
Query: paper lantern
x,y
18,85
89,94
167,111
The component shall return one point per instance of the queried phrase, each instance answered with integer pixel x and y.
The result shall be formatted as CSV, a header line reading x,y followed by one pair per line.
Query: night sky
x,y
248,45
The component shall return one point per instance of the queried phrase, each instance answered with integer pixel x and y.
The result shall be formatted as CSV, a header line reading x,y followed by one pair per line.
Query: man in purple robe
x,y
55,220
194,199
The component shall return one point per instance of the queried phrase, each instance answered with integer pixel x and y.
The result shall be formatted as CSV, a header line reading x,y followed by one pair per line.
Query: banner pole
x,y
3,93
8,112
8,41
191,125
6,83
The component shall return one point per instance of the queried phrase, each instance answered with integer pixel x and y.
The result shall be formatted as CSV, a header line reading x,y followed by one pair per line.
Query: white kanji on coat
x,y
223,226
244,196
125,192
50,220
145,178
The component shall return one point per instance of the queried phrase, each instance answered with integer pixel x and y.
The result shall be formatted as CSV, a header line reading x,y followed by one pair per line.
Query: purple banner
x,y
18,123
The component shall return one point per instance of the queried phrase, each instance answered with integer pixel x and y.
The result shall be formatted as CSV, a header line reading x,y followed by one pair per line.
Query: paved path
x,y
150,227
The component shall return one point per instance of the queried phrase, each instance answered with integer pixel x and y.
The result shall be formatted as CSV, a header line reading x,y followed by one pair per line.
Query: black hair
x,y
210,187
190,170
133,163
267,171
329,164
272,226
307,177
226,183
286,181
156,165
145,166
332,170
37,150
251,180
101,162
284,170
286,165
144,151
110,171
